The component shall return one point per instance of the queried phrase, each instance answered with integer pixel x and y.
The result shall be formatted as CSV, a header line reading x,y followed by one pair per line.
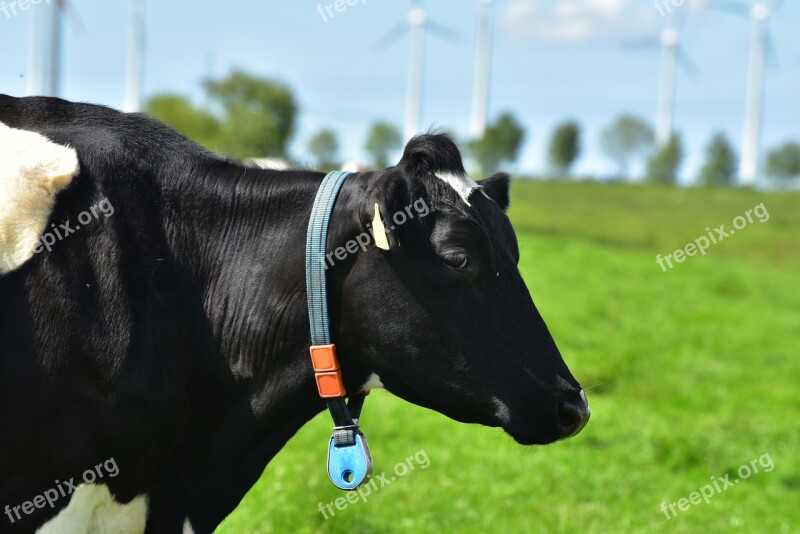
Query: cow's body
x,y
123,342
172,337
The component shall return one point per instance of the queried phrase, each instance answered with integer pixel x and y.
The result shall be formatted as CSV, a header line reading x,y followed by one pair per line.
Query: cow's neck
x,y
246,252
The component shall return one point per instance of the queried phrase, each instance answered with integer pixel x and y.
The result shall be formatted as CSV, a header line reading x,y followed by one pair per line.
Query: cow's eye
x,y
456,260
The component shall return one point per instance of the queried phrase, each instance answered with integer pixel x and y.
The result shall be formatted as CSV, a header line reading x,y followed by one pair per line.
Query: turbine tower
x,y
416,72
672,57
666,90
44,50
133,78
749,165
418,24
761,48
483,59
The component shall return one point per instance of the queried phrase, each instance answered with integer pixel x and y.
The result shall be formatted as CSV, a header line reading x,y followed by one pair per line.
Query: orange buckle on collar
x,y
326,371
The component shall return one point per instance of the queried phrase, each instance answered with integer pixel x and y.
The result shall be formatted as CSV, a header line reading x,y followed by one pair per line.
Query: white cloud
x,y
577,21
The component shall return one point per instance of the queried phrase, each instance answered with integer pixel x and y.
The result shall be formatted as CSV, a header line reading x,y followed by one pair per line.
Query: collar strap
x,y
327,373
349,461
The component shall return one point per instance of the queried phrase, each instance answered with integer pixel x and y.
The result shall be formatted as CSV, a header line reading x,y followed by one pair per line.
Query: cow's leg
x,y
199,499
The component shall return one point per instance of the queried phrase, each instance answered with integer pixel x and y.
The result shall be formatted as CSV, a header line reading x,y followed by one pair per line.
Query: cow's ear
x,y
497,188
432,153
388,196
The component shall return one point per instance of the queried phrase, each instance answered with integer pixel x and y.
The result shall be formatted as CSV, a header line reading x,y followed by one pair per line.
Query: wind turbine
x,y
133,77
672,56
417,23
44,50
483,59
44,46
761,48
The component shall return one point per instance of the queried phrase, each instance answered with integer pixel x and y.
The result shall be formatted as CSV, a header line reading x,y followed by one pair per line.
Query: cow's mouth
x,y
534,436
531,439
571,416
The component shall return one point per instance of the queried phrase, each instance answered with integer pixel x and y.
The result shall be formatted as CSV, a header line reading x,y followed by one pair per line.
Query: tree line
x,y
630,138
249,116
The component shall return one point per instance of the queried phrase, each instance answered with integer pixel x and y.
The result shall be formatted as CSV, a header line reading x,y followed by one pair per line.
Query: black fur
x,y
497,187
430,154
173,336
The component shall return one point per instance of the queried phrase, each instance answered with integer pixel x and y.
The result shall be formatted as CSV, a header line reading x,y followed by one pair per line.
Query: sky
x,y
551,61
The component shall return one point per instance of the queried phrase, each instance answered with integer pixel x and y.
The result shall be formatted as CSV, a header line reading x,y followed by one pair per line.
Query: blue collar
x,y
349,460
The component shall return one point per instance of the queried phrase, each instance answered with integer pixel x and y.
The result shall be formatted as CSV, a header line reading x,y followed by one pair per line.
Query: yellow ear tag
x,y
379,231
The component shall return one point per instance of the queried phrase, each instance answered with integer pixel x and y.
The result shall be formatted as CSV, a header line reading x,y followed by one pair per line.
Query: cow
x,y
166,339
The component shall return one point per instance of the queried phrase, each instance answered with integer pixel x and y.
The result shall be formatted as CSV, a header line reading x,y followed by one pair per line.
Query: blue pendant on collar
x,y
349,460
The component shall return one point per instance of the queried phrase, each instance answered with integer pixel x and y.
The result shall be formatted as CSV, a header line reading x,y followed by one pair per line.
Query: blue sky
x,y
552,61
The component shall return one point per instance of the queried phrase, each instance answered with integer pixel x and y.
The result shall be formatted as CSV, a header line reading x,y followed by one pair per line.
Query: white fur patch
x,y
93,510
373,382
33,170
463,184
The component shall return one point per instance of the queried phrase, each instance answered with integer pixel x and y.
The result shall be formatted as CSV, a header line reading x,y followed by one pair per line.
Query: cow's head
x,y
443,317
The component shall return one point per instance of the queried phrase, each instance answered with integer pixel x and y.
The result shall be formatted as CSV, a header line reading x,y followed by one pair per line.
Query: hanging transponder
x,y
349,465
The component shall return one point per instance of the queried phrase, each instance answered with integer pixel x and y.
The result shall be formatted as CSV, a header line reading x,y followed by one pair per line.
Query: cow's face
x,y
443,317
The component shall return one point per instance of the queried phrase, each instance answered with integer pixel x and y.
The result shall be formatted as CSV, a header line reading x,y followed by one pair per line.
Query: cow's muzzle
x,y
573,413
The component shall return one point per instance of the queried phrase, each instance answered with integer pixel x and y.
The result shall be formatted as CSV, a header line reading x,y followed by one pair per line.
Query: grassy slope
x,y
692,373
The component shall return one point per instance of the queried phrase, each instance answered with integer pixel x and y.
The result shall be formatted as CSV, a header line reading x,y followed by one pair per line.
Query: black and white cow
x,y
161,330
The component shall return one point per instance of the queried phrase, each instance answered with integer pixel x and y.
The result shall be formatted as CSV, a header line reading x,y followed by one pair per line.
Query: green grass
x,y
691,373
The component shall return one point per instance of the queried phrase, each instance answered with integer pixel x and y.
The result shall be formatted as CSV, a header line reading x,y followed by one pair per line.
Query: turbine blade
x,y
728,6
678,19
773,61
440,30
775,5
685,63
641,43
70,12
392,36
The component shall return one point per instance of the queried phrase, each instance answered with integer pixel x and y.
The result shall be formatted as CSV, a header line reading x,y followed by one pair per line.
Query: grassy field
x,y
691,374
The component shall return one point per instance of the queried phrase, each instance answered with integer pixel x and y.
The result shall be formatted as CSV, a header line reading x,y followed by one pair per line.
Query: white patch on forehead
x,y
33,170
463,184
373,382
92,509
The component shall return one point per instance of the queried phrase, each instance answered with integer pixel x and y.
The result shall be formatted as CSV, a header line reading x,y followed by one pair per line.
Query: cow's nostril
x,y
573,413
567,416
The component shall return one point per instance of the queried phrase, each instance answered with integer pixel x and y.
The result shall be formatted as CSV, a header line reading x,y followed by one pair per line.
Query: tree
x,y
720,166
626,138
784,161
500,142
324,147
178,112
662,167
382,140
255,117
259,114
565,146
